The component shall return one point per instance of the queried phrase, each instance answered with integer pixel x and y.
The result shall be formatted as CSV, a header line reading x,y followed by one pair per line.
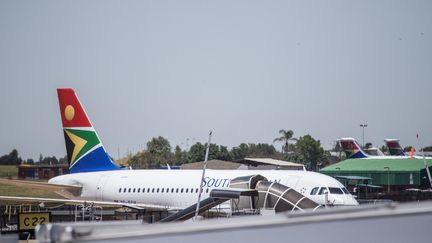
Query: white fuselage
x,y
179,188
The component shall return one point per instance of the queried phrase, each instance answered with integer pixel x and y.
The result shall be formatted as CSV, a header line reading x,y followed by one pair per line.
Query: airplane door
x,y
101,186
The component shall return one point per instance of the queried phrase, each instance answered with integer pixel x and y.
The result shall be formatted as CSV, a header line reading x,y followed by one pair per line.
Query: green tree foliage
x,y
309,152
197,152
11,159
240,152
180,156
285,137
158,153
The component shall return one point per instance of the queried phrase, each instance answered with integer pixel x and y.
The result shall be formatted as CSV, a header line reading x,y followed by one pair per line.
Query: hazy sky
x,y
244,69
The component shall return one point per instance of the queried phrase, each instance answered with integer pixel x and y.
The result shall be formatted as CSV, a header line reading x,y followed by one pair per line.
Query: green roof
x,y
394,165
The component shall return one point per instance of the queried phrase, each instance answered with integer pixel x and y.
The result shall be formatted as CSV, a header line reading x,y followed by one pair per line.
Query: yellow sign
x,y
28,221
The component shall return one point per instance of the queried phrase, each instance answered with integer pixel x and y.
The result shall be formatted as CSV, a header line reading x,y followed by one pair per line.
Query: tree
x,y
197,152
309,152
11,159
159,145
239,152
223,153
180,156
285,137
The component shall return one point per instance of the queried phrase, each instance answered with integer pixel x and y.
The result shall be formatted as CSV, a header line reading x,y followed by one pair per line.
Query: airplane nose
x,y
343,201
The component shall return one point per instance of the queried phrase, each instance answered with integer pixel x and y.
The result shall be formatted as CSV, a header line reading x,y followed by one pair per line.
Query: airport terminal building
x,y
397,174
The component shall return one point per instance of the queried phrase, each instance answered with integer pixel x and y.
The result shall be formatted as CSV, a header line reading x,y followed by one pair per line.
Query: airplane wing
x,y
138,206
68,191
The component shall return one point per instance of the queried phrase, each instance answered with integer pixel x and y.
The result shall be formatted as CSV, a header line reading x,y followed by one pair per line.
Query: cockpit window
x,y
335,190
345,190
323,191
314,191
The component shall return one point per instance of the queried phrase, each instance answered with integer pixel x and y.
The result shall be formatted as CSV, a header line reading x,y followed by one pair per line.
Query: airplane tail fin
x,y
85,151
394,147
351,148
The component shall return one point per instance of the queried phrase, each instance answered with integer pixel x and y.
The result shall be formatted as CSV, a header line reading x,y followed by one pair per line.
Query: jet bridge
x,y
250,193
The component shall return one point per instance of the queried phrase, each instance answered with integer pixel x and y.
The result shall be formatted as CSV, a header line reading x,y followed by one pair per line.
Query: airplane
x,y
94,178
353,150
395,149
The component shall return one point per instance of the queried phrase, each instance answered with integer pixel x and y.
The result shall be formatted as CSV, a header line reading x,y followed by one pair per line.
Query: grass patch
x,y
7,171
15,191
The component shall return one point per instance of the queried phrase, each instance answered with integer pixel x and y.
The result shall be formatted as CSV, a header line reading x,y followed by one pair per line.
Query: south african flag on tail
x,y
85,151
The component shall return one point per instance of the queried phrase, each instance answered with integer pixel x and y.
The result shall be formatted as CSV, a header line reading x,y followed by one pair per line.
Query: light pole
x,y
363,127
388,178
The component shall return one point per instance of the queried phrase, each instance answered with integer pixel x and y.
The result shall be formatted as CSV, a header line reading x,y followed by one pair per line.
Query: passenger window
x,y
119,189
143,190
314,191
196,190
124,190
129,190
162,190
191,190
153,190
157,190
177,190
139,189
181,191
148,190
207,190
172,190
167,190
134,190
